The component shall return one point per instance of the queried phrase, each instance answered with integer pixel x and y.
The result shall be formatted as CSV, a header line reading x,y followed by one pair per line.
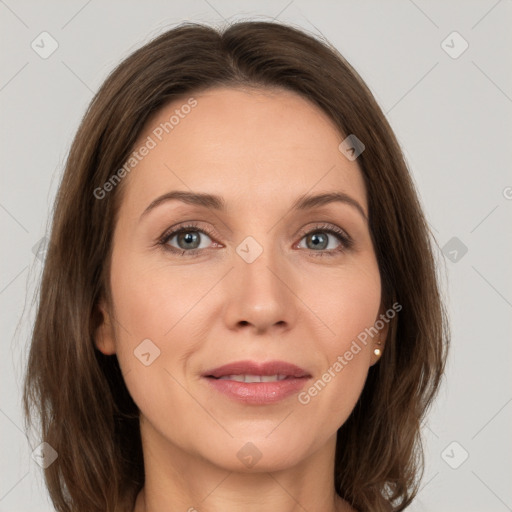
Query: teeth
x,y
254,378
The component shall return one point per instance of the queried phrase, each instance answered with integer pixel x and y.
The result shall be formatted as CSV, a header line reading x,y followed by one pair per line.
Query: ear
x,y
104,338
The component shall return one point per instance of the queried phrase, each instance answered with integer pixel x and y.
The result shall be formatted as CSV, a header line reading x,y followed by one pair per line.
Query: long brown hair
x,y
78,394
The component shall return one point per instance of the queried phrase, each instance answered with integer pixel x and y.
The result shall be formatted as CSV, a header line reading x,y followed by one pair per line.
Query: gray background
x,y
452,117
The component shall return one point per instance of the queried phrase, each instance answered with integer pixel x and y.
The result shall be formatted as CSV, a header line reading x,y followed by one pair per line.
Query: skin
x,y
260,150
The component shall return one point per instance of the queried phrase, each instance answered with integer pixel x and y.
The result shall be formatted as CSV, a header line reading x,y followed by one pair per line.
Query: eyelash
x,y
346,242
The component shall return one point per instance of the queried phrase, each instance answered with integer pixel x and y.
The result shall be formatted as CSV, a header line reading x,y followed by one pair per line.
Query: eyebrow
x,y
304,202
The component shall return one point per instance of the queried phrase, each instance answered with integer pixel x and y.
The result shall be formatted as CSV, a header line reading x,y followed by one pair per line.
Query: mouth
x,y
253,378
257,383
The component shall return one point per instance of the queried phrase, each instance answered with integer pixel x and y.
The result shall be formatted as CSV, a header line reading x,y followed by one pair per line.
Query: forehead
x,y
245,144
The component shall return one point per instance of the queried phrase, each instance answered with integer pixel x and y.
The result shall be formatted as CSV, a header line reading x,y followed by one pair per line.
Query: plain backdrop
x,y
440,71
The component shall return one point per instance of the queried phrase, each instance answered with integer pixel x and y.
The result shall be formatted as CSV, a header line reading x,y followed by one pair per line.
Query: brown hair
x,y
79,396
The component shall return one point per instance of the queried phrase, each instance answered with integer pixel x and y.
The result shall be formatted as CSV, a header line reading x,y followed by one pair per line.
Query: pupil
x,y
315,239
189,238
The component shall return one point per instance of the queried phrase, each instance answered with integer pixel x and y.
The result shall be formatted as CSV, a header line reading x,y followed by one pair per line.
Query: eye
x,y
318,240
186,239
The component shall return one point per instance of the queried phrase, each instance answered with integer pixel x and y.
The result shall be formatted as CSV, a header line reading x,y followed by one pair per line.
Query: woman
x,y
239,308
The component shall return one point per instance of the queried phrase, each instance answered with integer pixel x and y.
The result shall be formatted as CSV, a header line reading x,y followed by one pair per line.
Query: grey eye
x,y
189,239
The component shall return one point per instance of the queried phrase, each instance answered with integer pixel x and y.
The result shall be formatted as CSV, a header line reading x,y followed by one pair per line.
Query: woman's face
x,y
256,281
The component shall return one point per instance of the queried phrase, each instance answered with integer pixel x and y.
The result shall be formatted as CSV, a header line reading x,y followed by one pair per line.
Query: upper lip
x,y
255,368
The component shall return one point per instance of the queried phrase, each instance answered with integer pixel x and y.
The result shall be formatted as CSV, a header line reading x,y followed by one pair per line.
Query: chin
x,y
260,453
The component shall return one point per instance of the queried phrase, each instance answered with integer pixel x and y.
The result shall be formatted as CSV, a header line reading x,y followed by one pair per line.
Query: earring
x,y
377,351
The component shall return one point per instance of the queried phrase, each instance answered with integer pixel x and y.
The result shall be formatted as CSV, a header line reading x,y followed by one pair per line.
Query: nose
x,y
259,296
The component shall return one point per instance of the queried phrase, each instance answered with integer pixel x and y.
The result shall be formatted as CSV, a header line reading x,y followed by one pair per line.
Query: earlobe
x,y
377,352
380,342
104,334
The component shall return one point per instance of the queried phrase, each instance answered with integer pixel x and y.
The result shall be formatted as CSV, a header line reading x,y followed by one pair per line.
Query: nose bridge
x,y
259,293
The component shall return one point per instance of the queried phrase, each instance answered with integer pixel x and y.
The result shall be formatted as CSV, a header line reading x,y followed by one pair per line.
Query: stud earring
x,y
377,351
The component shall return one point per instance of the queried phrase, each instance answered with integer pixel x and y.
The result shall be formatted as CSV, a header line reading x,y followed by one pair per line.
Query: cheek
x,y
151,300
347,303
346,300
160,303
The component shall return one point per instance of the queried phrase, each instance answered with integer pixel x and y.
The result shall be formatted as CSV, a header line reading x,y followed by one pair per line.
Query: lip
x,y
257,393
255,368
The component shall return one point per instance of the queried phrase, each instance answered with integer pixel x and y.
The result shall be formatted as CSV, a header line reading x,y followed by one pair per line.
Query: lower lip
x,y
258,393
